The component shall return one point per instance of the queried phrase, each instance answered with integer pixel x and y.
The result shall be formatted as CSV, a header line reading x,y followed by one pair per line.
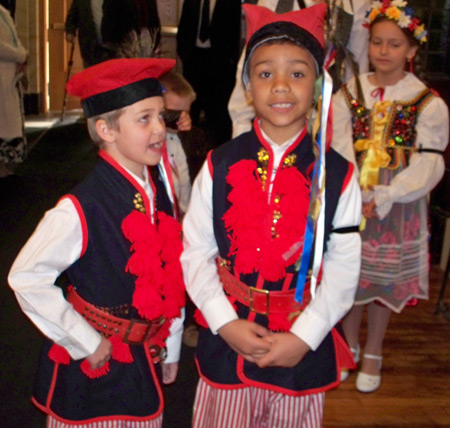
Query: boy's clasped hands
x,y
261,346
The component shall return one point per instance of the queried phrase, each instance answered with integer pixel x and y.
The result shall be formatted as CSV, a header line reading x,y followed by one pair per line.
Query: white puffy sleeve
x,y
342,140
52,248
340,273
199,256
425,169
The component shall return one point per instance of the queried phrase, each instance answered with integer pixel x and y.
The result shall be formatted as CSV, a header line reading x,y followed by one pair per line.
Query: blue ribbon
x,y
309,232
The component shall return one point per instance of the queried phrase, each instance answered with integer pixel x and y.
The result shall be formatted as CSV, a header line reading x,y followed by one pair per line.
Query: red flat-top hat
x,y
118,83
303,27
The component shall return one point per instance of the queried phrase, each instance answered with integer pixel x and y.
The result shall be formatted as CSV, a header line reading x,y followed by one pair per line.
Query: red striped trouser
x,y
120,423
252,407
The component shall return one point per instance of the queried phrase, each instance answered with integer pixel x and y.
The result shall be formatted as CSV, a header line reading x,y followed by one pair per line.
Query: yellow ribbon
x,y
376,156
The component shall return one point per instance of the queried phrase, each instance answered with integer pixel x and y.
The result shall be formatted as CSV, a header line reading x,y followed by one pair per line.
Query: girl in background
x,y
395,130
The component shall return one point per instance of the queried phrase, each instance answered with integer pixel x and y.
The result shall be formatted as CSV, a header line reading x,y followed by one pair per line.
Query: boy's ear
x,y
248,93
104,131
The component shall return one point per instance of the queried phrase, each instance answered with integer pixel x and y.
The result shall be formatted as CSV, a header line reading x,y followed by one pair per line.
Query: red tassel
x,y
94,374
171,308
137,227
121,351
145,263
59,355
148,302
155,260
259,240
168,226
241,171
160,338
279,322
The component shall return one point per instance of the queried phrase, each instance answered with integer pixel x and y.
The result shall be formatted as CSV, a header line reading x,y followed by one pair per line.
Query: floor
x,y
416,367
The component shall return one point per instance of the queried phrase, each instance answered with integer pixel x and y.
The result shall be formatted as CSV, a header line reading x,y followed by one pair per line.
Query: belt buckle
x,y
251,299
158,353
126,340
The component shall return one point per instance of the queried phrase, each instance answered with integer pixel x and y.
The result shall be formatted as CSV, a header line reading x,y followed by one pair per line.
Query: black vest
x,y
106,198
217,361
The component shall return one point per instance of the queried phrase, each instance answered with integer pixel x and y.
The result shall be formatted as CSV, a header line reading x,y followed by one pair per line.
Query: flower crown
x,y
401,13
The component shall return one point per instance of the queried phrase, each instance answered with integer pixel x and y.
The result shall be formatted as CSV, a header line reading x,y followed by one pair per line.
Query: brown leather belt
x,y
132,332
261,301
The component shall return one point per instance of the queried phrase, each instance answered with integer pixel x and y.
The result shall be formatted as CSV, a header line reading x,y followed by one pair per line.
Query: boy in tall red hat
x,y
268,349
114,239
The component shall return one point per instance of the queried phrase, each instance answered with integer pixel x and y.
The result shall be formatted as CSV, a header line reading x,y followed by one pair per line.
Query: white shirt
x,y
334,296
425,170
180,170
53,247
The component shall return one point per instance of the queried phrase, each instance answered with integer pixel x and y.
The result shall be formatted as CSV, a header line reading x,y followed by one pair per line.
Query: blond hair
x,y
112,120
176,83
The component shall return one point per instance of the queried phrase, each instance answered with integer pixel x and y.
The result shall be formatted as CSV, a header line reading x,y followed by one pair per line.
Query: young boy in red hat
x,y
266,357
113,238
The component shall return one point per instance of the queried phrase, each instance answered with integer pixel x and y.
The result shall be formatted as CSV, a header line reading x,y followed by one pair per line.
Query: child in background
x,y
115,240
264,358
186,145
398,133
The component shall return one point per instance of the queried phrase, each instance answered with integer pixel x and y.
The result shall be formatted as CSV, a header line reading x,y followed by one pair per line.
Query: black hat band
x,y
282,30
121,97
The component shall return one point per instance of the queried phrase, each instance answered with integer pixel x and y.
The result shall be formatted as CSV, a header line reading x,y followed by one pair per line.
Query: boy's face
x,y
281,87
175,103
140,135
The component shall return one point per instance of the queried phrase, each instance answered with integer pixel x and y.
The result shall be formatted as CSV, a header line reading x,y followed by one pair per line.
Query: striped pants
x,y
154,423
252,407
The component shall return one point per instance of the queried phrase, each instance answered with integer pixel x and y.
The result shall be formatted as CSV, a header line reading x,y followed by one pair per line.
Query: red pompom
x,y
91,373
265,236
160,338
146,263
155,260
121,351
59,355
137,227
148,302
241,171
278,322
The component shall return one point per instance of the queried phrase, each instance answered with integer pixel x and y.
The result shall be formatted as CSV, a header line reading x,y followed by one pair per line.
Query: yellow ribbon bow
x,y
376,156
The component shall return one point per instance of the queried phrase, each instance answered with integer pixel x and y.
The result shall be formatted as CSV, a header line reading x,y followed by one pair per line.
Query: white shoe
x,y
345,373
369,383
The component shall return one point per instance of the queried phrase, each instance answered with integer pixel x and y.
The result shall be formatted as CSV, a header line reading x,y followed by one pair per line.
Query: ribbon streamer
x,y
315,226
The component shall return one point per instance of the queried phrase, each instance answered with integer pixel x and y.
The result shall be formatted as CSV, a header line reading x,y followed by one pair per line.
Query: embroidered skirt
x,y
395,262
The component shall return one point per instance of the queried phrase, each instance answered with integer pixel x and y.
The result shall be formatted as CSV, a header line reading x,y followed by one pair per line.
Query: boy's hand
x,y
101,355
184,122
246,338
169,372
287,351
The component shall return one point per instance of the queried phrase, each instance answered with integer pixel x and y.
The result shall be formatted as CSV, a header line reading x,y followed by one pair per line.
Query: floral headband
x,y
401,13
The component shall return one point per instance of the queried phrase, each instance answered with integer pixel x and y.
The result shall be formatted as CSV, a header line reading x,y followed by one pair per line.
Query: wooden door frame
x,y
42,59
